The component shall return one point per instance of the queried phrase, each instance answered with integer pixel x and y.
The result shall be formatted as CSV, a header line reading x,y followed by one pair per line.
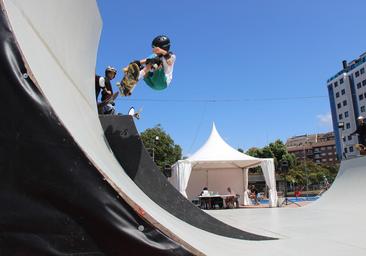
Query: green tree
x,y
316,173
166,152
276,150
254,152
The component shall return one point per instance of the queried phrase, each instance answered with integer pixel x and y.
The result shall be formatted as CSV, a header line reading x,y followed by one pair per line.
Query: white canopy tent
x,y
217,165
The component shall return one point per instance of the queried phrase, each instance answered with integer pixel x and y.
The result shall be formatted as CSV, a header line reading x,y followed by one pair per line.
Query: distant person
x,y
297,193
204,192
205,202
326,183
234,200
254,194
230,191
361,131
156,70
103,84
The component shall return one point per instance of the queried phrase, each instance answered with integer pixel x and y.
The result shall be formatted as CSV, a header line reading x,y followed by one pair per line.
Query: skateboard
x,y
104,103
129,80
135,114
361,148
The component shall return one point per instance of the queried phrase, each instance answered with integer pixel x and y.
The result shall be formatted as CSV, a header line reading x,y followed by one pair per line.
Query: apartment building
x,y
347,96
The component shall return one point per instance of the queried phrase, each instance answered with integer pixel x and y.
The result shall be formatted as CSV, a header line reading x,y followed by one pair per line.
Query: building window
x,y
345,150
364,95
360,97
340,116
349,137
343,92
324,160
346,114
337,95
344,103
335,84
357,74
363,109
339,105
351,149
364,82
330,160
348,125
341,81
359,85
362,70
344,139
317,161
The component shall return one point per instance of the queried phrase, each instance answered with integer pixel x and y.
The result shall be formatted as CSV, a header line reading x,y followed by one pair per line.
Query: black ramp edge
x,y
53,200
129,150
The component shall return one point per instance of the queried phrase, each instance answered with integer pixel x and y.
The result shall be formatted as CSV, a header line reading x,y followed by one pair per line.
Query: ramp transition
x,y
126,144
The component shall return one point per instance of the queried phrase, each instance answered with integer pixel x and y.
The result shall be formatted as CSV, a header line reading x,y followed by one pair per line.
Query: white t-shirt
x,y
101,82
168,68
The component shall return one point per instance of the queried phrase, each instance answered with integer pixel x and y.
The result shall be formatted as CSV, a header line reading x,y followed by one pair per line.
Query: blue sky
x,y
235,59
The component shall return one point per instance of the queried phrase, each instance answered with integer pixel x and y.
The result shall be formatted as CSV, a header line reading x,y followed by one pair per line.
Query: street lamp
x,y
153,149
306,169
341,127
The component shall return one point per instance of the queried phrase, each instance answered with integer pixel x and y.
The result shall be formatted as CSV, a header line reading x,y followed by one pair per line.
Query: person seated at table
x,y
253,194
204,192
205,202
230,201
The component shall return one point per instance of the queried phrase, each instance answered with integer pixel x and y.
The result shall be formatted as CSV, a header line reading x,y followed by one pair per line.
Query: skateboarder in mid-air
x,y
106,106
361,131
156,70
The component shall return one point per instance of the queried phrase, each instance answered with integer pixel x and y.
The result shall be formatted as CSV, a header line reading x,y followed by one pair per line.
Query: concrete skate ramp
x,y
334,224
62,190
50,48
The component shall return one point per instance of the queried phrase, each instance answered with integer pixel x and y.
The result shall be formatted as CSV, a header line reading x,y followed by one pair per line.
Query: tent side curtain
x,y
181,171
268,170
247,200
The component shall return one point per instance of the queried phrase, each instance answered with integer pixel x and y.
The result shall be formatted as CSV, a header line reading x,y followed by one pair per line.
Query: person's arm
x,y
143,61
160,51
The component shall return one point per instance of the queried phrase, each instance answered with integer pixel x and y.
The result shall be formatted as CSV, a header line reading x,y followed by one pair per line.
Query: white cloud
x,y
325,120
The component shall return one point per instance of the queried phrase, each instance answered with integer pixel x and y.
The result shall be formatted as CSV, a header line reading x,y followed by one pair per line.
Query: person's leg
x,y
144,72
157,81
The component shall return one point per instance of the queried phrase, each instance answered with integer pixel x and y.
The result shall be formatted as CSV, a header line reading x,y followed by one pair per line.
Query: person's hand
x,y
109,92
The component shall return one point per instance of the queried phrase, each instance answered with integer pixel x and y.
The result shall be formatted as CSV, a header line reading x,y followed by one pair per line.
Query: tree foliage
x,y
297,173
276,150
316,173
166,152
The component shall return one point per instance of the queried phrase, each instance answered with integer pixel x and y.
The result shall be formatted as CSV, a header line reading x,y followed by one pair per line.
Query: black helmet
x,y
111,70
162,42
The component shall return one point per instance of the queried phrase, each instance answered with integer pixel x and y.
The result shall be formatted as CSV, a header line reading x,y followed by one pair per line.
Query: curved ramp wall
x,y
64,99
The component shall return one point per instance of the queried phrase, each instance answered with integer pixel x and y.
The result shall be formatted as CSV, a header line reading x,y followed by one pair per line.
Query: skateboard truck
x,y
135,114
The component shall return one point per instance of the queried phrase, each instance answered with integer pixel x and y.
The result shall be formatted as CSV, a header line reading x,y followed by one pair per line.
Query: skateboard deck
x,y
102,104
135,114
129,80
